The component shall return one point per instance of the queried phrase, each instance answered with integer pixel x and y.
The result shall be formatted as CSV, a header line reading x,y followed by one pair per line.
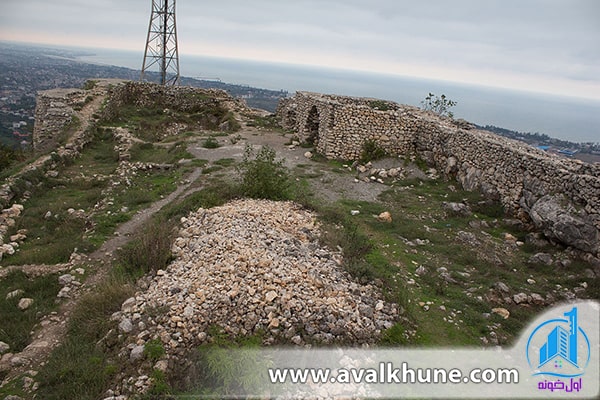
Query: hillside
x,y
155,223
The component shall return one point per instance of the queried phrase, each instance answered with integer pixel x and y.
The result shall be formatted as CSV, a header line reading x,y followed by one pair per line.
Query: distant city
x,y
25,70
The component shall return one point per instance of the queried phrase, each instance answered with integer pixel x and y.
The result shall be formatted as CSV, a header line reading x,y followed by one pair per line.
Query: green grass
x,y
17,324
79,368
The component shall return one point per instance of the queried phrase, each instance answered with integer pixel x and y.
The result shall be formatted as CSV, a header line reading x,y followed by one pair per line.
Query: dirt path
x,y
52,328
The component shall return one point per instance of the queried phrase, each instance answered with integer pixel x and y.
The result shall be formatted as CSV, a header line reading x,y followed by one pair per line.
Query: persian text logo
x,y
559,348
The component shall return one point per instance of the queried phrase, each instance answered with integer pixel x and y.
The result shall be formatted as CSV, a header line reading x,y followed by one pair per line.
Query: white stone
x,y
25,303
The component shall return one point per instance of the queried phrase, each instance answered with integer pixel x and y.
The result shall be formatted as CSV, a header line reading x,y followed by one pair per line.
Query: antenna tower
x,y
161,43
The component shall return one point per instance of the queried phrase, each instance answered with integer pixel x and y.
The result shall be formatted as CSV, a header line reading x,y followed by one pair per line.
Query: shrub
x,y
149,251
439,105
371,151
264,177
210,143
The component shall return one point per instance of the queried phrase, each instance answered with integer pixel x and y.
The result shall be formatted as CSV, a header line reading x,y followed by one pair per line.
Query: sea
x,y
566,118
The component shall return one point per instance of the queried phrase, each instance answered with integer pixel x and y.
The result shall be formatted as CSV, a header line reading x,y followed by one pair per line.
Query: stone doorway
x,y
312,126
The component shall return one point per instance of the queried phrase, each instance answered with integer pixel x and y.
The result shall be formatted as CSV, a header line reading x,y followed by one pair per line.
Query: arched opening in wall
x,y
290,118
312,126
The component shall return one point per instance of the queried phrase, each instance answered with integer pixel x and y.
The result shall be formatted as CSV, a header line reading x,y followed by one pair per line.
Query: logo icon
x,y
559,347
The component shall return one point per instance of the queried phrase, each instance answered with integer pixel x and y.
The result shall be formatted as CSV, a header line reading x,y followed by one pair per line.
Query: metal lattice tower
x,y
161,44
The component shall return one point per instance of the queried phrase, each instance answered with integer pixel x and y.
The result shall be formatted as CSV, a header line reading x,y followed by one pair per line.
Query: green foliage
x,y
90,84
439,105
154,350
78,368
262,176
371,151
16,324
227,366
210,143
380,105
150,249
9,156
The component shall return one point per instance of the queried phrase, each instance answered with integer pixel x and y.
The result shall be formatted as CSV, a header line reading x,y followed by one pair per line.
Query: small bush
x,y
154,350
149,251
371,151
380,105
210,143
264,177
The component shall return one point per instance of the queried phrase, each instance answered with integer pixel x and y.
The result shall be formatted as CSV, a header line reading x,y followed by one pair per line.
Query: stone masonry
x,y
561,197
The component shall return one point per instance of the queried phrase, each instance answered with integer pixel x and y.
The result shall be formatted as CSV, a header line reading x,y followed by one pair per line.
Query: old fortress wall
x,y
560,196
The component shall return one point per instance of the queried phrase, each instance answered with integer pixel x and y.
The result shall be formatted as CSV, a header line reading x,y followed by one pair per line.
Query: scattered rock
x,y
458,209
558,219
308,155
503,312
14,294
537,299
137,353
520,298
25,303
385,217
126,326
4,347
65,279
541,258
503,287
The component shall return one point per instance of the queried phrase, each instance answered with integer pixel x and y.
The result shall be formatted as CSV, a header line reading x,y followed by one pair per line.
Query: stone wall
x,y
561,197
54,114
180,98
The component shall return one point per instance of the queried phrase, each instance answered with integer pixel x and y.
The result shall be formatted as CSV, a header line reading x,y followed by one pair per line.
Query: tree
x,y
439,105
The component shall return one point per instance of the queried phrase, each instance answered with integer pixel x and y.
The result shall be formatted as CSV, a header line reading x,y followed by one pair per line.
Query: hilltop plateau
x,y
155,223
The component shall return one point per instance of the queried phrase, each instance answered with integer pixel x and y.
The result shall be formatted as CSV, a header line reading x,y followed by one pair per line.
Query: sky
x,y
545,46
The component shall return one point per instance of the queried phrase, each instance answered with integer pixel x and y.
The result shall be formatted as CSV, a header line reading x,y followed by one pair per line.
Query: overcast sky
x,y
550,46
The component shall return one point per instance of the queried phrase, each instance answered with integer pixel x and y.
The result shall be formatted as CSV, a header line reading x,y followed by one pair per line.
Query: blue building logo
x,y
559,348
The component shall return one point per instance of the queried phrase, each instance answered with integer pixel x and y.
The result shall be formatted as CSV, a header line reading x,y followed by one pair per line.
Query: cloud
x,y
545,40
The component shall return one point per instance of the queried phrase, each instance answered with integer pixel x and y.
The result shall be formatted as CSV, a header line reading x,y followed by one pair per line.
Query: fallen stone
x,y
137,353
4,347
25,303
541,258
458,209
65,279
126,326
385,217
558,219
503,312
520,298
14,294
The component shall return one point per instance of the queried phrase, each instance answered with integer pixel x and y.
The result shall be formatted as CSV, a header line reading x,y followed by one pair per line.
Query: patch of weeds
x,y
212,169
380,105
149,250
210,143
154,350
235,139
372,151
262,176
78,368
269,122
16,324
212,196
225,367
90,84
225,162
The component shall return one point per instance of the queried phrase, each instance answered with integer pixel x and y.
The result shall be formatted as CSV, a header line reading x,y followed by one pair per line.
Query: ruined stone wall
x,y
560,196
54,114
181,98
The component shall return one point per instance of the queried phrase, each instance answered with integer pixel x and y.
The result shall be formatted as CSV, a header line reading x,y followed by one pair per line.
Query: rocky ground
x,y
250,267
258,268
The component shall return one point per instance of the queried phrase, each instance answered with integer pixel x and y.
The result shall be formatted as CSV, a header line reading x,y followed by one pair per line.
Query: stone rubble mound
x,y
254,266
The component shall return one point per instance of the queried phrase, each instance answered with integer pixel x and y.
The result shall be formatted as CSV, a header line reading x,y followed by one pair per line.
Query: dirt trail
x,y
52,328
